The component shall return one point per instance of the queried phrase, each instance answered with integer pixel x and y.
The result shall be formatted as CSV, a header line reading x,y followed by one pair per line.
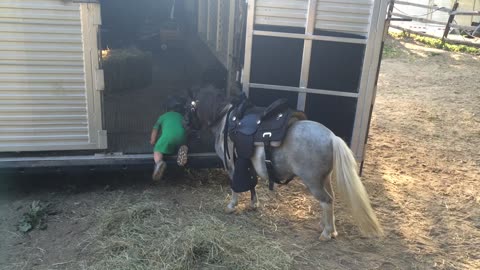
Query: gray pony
x,y
310,151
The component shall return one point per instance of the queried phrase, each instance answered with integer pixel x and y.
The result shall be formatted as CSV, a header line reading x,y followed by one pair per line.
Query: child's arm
x,y
153,136
156,127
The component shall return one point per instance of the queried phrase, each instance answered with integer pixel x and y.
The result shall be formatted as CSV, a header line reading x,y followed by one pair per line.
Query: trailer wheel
x,y
164,47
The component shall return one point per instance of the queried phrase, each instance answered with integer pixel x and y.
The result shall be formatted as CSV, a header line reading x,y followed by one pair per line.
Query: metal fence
x,y
429,22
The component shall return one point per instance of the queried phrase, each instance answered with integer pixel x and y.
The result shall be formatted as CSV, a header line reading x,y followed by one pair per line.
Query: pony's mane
x,y
211,103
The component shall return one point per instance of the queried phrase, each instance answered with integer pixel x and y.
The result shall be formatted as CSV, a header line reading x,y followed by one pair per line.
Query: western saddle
x,y
249,126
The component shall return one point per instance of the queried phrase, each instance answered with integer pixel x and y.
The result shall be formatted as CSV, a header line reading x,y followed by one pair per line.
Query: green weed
x,y
436,43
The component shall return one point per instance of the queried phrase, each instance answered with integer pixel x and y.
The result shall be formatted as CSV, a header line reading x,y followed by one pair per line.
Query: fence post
x,y
450,20
431,4
389,18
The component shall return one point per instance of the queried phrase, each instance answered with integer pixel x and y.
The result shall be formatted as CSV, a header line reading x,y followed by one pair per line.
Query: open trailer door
x,y
323,56
50,81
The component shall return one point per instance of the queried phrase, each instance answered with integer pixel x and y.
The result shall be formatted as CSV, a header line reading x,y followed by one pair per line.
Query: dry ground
x,y
422,172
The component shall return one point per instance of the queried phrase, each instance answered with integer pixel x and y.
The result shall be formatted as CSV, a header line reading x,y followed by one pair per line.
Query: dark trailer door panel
x,y
320,55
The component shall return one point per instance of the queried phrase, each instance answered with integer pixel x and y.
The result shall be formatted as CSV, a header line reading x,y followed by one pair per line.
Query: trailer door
x,y
50,82
322,55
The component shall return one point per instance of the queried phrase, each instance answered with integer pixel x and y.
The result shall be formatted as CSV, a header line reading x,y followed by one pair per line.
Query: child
x,y
173,136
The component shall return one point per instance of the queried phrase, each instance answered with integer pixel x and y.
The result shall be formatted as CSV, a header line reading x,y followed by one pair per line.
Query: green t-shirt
x,y
173,133
171,124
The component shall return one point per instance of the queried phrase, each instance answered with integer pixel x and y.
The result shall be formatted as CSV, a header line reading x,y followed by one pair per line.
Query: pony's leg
x,y
331,215
326,202
233,203
253,199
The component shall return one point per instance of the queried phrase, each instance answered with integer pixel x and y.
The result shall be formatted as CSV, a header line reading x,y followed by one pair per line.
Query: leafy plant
x,y
35,217
436,43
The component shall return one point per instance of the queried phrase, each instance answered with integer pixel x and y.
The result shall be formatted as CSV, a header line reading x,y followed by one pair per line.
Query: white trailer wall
x,y
49,77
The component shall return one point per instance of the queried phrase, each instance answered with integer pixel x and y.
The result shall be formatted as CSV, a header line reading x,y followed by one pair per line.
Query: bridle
x,y
225,110
192,114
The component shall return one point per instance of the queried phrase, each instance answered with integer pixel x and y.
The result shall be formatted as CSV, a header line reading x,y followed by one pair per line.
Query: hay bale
x,y
127,69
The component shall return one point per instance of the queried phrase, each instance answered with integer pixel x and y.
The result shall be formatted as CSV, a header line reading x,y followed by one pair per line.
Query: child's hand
x,y
152,141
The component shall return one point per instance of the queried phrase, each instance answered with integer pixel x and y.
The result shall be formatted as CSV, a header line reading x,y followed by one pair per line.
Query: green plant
x,y
436,43
35,217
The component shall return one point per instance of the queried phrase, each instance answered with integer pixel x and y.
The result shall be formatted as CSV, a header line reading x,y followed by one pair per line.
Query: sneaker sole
x,y
182,156
157,175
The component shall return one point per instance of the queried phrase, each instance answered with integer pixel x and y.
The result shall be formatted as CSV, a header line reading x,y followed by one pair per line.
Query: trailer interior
x,y
177,60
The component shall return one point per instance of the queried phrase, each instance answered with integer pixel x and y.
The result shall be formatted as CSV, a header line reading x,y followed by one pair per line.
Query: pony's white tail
x,y
352,190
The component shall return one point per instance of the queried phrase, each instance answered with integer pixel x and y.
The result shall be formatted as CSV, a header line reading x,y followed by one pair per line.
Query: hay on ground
x,y
149,236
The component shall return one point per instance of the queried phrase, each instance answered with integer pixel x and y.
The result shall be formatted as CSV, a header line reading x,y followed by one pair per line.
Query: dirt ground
x,y
422,172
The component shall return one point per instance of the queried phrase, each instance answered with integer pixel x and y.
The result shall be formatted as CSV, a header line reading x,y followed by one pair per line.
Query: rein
x,y
220,116
226,111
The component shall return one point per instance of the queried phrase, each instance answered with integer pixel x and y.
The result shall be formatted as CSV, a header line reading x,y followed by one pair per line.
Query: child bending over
x,y
173,137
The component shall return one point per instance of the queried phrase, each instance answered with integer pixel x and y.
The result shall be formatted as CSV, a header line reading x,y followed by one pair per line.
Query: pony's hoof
x,y
326,235
253,207
229,210
324,238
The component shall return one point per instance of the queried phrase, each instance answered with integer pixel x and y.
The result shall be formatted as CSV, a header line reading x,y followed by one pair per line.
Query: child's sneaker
x,y
159,170
182,156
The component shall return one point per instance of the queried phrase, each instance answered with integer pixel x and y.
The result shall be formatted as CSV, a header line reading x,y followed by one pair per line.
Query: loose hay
x,y
149,236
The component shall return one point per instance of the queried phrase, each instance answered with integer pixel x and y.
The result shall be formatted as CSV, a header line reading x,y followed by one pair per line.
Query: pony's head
x,y
207,104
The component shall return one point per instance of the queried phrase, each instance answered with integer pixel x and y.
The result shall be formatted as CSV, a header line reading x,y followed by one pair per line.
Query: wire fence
x,y
401,17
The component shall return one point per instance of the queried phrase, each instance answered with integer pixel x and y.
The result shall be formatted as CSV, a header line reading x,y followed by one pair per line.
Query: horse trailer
x,y
57,109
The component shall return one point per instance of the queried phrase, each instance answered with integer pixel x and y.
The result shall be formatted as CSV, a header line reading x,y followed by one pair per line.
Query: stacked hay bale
x,y
127,69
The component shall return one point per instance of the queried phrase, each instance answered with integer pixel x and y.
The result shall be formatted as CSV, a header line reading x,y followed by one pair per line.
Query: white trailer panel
x,y
49,76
